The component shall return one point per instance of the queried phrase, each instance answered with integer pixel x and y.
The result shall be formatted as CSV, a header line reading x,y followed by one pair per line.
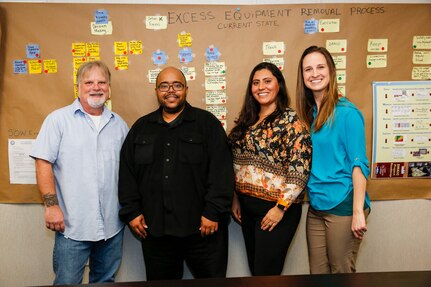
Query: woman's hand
x,y
236,209
272,218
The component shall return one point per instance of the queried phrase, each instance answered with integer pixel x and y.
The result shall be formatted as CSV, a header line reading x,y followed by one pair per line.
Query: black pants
x,y
206,257
266,251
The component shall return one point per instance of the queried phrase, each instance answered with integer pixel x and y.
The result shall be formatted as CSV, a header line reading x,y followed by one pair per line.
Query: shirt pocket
x,y
191,148
144,149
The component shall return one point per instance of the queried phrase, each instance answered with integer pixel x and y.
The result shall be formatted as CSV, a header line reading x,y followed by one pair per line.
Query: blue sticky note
x,y
311,26
101,17
185,55
19,67
33,51
212,54
159,58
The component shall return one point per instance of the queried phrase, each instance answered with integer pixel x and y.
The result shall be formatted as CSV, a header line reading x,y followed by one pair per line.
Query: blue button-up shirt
x,y
338,147
85,163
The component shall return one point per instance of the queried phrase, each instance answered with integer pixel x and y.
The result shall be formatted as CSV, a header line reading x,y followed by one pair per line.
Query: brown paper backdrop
x,y
25,100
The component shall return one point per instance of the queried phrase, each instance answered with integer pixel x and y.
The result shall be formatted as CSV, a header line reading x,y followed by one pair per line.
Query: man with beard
x,y
77,160
176,185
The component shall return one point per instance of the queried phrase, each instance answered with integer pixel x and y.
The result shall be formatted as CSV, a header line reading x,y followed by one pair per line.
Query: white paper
x,y
21,166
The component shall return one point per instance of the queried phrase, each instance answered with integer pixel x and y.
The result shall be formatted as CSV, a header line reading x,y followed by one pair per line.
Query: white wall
x,y
398,239
399,236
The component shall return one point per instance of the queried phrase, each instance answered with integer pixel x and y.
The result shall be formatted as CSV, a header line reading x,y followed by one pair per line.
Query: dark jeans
x,y
266,250
206,256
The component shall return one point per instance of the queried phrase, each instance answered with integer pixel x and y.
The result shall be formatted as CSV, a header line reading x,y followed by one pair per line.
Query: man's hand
x,y
54,218
208,227
138,226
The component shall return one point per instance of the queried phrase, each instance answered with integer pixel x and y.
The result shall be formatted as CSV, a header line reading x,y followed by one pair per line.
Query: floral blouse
x,y
272,161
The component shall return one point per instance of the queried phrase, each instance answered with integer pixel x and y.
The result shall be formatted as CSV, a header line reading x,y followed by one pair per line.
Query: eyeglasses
x,y
164,87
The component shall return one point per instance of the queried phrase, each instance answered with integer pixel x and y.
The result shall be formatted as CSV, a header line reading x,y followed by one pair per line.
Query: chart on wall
x,y
402,130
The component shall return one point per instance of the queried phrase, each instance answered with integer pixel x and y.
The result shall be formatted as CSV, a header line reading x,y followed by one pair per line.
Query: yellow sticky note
x,y
78,49
421,73
329,25
108,104
422,57
273,48
135,47
376,61
377,45
120,48
336,46
77,62
422,42
50,66
340,61
35,66
91,59
341,76
121,63
93,49
214,68
278,61
75,91
101,29
215,83
156,22
184,39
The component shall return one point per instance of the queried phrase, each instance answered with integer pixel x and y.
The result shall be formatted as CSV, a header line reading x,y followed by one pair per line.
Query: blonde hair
x,y
84,68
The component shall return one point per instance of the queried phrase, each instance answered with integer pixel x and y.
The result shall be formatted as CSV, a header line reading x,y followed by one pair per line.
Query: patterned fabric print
x,y
272,162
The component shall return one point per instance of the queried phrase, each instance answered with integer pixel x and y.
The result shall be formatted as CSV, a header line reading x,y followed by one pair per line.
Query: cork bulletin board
x,y
37,60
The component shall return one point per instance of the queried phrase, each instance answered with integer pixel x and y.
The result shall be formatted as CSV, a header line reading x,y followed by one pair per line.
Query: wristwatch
x,y
281,207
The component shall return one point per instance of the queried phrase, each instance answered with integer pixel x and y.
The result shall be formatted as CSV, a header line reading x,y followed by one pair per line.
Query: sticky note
x,y
185,55
215,83
79,49
35,66
212,53
135,47
189,73
121,63
342,90
20,67
421,57
376,61
217,97
336,46
278,61
101,29
77,62
329,25
273,48
219,111
92,49
93,58
33,51
422,42
120,48
50,66
214,68
223,124
152,75
421,73
184,39
311,26
101,16
377,45
341,76
340,61
159,57
156,22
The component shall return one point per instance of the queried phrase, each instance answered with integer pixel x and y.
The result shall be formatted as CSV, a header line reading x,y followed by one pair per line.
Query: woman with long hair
x,y
339,203
271,151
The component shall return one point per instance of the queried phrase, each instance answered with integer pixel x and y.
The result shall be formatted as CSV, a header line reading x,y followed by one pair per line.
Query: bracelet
x,y
281,207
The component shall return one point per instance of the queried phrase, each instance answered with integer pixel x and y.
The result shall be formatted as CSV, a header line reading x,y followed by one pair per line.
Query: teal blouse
x,y
338,147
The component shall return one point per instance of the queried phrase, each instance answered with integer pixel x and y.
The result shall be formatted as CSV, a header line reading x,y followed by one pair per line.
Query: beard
x,y
96,103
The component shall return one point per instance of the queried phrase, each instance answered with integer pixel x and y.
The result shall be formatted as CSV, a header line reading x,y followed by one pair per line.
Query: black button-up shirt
x,y
174,173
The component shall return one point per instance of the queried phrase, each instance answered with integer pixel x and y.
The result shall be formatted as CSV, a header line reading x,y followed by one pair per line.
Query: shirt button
x,y
166,176
167,160
168,144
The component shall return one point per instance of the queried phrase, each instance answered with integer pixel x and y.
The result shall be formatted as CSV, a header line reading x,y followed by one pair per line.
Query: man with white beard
x,y
77,160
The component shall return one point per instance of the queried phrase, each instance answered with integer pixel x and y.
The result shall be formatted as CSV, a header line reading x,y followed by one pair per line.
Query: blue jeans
x,y
70,257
